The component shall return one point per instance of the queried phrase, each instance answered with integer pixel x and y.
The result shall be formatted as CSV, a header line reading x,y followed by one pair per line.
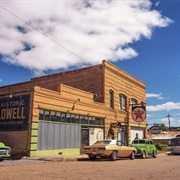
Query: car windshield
x,y
103,142
138,142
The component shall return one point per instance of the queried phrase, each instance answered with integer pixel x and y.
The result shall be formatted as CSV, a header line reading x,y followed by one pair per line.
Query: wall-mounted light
x,y
11,96
77,100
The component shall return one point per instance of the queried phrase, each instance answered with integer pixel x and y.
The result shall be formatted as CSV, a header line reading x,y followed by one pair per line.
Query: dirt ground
x,y
163,167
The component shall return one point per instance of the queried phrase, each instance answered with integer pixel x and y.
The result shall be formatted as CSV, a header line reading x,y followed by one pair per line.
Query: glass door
x,y
84,138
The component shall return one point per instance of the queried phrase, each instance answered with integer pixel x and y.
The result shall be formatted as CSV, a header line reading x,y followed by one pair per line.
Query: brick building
x,y
60,113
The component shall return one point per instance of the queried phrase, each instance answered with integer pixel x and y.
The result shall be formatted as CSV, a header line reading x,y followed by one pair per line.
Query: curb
x,y
57,159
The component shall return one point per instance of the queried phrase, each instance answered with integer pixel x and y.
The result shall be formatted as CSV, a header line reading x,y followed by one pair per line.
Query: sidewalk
x,y
61,158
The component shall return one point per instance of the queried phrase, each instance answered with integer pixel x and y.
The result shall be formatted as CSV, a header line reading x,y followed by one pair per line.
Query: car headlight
x,y
8,151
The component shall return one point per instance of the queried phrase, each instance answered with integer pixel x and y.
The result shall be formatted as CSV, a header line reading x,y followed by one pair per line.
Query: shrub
x,y
161,147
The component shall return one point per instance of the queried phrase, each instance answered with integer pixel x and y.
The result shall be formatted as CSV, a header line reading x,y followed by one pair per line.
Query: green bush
x,y
161,147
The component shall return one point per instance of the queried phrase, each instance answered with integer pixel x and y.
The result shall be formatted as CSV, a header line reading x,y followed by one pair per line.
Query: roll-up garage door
x,y
140,131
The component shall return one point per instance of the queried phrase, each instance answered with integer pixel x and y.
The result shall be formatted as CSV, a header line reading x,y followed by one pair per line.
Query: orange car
x,y
111,149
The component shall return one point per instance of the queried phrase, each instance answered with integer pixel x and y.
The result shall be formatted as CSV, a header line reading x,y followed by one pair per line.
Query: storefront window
x,y
68,118
63,117
77,119
46,115
41,114
84,119
58,116
73,120
91,120
53,116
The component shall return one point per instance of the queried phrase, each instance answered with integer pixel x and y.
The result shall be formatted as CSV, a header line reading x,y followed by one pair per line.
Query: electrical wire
x,y
41,32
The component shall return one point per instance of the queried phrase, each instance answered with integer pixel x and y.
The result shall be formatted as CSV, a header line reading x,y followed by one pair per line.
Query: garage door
x,y
140,131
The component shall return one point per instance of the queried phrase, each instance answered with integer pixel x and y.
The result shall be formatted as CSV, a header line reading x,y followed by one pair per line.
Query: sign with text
x,y
138,113
155,129
14,113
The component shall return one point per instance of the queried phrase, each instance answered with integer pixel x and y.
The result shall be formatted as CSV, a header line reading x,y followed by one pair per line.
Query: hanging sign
x,y
116,125
138,113
155,129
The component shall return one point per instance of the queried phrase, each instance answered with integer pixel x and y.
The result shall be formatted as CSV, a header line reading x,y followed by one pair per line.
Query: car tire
x,y
113,156
155,154
143,155
132,156
92,158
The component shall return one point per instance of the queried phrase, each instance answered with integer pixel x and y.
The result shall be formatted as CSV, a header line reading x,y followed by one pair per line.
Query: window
x,y
111,99
91,120
63,117
58,116
73,120
46,115
53,116
84,119
41,114
133,102
77,118
122,103
68,117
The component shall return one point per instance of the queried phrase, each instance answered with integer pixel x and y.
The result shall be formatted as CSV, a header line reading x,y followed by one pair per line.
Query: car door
x,y
122,150
151,147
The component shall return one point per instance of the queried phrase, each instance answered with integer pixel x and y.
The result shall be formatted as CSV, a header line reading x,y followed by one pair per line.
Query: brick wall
x,y
88,79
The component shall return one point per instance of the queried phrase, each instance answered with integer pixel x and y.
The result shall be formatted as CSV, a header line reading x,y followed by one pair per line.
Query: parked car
x,y
145,147
5,152
111,149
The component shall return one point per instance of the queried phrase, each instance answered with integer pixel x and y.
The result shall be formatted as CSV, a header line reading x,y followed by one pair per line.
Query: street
x,y
163,167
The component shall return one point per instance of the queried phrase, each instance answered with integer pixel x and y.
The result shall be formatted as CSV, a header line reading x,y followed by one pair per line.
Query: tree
x,y
164,128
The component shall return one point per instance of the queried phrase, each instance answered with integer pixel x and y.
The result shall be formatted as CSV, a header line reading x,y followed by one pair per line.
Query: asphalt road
x,y
164,167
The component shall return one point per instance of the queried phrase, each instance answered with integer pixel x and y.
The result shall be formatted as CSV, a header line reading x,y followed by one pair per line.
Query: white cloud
x,y
164,107
167,120
151,95
0,80
93,30
157,3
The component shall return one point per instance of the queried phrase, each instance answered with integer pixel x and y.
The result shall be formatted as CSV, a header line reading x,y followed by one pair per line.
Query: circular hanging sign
x,y
139,113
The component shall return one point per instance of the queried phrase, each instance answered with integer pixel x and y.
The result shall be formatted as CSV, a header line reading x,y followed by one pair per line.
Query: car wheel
x,y
132,156
155,154
92,158
143,155
113,156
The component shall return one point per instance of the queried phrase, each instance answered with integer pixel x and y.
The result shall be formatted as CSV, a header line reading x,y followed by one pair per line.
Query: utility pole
x,y
168,116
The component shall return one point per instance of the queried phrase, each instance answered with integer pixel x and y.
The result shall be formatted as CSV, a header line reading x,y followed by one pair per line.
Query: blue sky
x,y
140,37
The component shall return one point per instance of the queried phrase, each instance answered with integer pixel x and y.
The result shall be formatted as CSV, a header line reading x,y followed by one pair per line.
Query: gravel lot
x,y
164,167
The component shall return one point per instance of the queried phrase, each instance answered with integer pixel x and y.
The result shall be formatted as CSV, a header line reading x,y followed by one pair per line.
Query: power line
x,y
156,118
41,32
47,36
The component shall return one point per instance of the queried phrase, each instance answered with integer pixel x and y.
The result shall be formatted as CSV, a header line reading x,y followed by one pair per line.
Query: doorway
x,y
84,138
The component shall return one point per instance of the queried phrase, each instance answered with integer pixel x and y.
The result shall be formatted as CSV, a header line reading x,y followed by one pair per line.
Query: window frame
x,y
111,99
122,102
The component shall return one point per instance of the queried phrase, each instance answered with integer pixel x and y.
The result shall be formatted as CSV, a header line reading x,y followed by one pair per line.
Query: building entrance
x,y
84,138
